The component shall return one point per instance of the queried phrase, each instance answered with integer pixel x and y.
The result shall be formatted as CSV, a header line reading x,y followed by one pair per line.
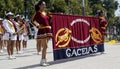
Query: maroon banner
x,y
75,32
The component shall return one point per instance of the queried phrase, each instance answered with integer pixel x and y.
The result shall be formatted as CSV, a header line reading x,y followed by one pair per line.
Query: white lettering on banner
x,y
78,51
81,51
74,52
90,49
80,20
95,48
68,52
83,21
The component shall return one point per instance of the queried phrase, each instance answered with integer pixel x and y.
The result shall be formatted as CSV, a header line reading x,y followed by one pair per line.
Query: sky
x,y
117,0
117,12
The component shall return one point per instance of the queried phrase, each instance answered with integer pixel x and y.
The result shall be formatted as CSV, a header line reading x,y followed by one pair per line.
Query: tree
x,y
66,6
74,7
58,6
110,6
16,6
95,5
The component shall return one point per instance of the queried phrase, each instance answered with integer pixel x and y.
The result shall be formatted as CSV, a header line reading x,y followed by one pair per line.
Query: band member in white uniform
x,y
1,35
25,29
20,34
10,34
25,33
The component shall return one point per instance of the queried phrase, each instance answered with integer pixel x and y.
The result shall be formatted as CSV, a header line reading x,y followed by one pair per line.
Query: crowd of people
x,y
13,31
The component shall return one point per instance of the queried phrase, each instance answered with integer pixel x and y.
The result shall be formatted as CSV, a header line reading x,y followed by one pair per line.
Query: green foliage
x,y
117,22
75,7
16,6
58,6
61,6
111,6
95,5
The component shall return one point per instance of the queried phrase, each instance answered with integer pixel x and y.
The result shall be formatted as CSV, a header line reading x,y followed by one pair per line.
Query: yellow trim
x,y
1,29
20,30
42,27
18,24
11,24
44,36
103,28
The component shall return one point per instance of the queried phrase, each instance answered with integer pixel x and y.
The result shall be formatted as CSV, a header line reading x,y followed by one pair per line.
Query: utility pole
x,y
68,10
25,8
83,7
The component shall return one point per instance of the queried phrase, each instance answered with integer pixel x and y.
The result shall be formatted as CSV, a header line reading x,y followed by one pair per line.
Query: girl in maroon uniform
x,y
103,22
41,21
103,26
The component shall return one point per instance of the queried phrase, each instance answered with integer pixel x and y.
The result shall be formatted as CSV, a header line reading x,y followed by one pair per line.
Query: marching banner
x,y
75,36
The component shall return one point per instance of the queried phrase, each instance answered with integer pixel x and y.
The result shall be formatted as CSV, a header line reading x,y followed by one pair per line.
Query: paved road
x,y
30,60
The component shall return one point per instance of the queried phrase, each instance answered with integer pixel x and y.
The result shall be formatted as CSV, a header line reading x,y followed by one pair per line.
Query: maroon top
x,y
42,20
103,24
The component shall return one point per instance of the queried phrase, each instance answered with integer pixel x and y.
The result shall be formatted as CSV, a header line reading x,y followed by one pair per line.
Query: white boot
x,y
1,51
13,57
39,53
10,57
4,47
43,62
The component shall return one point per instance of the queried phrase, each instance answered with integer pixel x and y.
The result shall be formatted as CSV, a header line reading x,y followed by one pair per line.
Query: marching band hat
x,y
23,17
9,13
1,19
17,15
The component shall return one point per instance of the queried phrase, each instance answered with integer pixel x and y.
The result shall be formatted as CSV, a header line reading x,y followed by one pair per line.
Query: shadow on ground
x,y
62,61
